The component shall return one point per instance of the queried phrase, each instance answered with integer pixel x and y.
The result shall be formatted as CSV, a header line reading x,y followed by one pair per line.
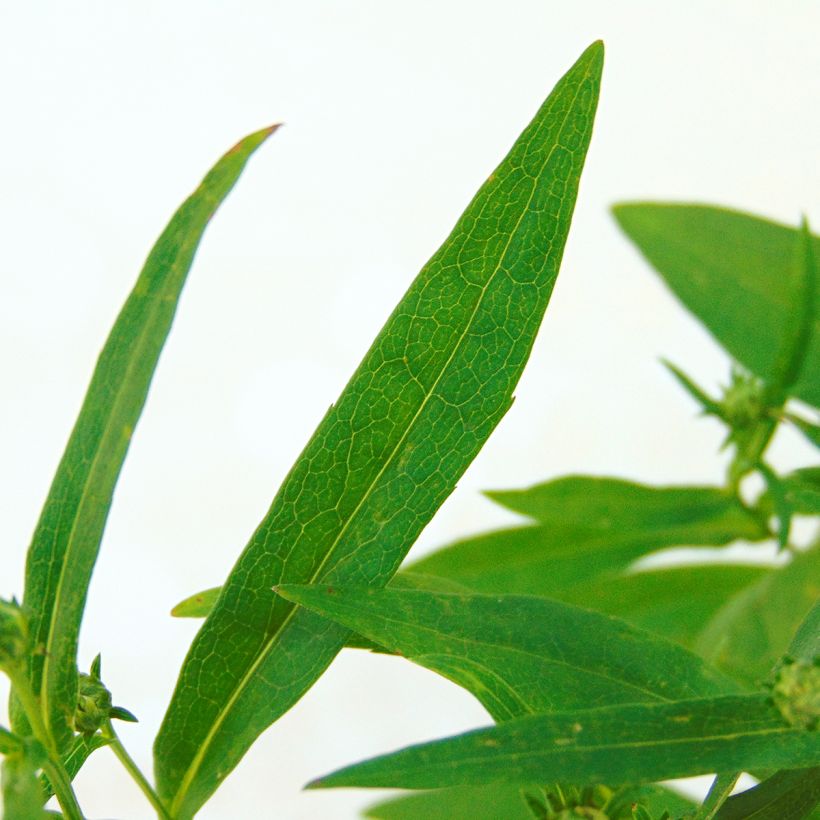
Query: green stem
x,y
720,790
53,767
136,775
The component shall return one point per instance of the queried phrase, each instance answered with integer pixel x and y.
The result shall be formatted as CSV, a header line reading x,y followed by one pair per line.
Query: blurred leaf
x,y
613,505
9,743
474,802
518,654
596,528
795,345
630,743
735,272
805,645
790,794
801,490
676,602
67,538
503,800
23,797
752,631
433,386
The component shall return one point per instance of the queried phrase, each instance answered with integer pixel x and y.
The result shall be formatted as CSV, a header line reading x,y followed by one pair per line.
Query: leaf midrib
x,y
241,685
568,748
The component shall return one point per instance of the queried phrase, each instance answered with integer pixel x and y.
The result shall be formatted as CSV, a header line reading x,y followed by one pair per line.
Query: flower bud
x,y
94,705
743,403
796,692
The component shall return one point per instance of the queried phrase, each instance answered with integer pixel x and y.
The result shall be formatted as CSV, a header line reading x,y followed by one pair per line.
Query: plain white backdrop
x,y
395,113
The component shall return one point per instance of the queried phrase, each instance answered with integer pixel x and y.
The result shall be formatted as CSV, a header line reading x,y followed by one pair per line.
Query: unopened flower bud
x,y
796,692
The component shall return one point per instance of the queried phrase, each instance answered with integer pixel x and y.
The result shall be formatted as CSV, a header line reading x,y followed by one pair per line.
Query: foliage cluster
x,y
602,677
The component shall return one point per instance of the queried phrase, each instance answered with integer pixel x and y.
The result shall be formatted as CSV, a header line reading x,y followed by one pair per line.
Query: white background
x,y
395,114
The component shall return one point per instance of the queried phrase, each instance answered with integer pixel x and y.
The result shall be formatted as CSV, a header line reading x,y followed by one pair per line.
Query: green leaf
x,y
613,505
475,802
801,490
735,272
595,528
518,654
9,742
752,631
23,796
67,537
805,645
503,800
197,605
676,602
786,795
435,383
631,743
80,750
797,341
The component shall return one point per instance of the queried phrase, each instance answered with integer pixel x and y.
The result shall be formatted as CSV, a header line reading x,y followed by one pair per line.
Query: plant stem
x,y
136,775
720,789
53,767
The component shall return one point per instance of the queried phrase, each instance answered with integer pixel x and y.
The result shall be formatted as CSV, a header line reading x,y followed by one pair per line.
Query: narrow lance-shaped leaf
x,y
435,383
676,602
519,654
569,551
604,504
734,271
67,537
632,743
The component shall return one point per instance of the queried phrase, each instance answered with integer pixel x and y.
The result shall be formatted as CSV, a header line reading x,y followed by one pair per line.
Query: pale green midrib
x,y
530,654
190,773
623,745
87,498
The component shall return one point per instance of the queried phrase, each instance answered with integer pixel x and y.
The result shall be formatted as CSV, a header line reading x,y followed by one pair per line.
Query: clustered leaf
x,y
603,675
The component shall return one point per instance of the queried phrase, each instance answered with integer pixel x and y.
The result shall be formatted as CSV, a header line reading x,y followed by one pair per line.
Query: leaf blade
x,y
67,537
633,743
518,654
569,551
448,357
749,634
728,269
